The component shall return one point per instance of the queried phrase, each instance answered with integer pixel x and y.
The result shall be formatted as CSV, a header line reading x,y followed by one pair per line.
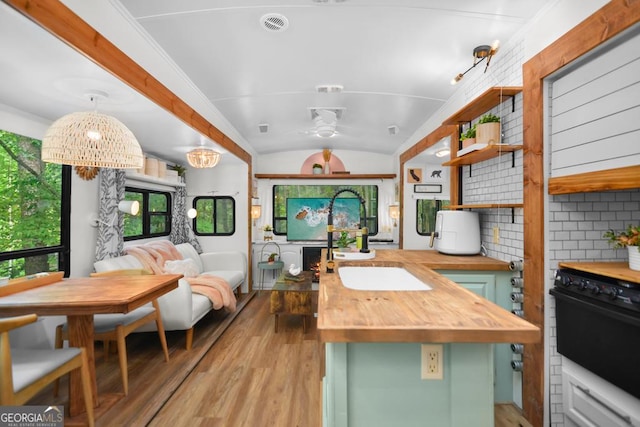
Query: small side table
x,y
299,297
274,266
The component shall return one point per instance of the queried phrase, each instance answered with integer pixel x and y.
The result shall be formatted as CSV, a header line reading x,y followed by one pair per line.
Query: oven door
x,y
603,339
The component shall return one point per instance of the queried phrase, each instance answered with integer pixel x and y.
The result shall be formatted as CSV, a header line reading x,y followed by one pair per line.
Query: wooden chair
x,y
24,372
116,327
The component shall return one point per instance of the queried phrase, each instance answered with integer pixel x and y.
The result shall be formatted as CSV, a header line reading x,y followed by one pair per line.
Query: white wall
x,y
222,180
411,239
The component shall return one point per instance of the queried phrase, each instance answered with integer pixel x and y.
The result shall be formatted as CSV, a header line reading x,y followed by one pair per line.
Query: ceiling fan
x,y
325,121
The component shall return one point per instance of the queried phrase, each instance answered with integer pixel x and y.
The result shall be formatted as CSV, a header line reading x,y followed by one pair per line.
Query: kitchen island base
x,y
379,384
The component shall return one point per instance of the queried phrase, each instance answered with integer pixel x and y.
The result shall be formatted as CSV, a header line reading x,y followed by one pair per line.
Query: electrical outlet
x,y
496,235
432,362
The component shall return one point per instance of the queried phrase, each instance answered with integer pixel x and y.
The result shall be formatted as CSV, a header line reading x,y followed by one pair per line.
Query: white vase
x,y
634,258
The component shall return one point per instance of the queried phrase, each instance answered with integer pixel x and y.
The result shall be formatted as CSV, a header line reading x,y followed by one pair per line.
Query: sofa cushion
x,y
188,251
125,262
187,267
233,277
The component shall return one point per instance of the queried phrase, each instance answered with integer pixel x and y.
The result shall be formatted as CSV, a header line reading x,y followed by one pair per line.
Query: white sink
x,y
380,279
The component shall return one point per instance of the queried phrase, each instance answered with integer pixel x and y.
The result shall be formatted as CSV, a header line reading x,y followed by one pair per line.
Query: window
x,y
216,216
35,200
154,218
426,215
281,192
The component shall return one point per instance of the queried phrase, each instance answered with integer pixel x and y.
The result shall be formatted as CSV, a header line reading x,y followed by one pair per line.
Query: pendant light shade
x,y
203,157
91,139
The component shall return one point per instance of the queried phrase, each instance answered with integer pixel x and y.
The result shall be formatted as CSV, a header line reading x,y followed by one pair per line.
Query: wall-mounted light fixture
x,y
256,210
192,213
394,213
480,53
131,207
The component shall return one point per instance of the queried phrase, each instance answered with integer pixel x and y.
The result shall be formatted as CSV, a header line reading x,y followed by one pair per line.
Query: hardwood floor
x,y
239,373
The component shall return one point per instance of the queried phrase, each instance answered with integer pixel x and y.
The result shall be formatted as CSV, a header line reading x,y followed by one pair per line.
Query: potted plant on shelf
x,y
469,137
488,129
630,239
273,257
267,233
317,169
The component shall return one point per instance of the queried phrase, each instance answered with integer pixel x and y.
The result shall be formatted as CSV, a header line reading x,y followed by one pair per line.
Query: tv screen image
x,y
307,217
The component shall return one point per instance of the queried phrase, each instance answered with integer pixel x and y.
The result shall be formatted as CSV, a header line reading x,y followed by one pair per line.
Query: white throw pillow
x,y
186,267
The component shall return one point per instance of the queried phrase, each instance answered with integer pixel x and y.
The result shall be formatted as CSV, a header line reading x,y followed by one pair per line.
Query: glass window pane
x,y
158,224
133,224
154,218
426,215
29,265
216,216
204,220
30,195
225,223
158,202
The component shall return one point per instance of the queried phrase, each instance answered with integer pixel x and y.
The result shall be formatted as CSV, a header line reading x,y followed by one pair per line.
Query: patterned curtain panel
x,y
181,231
110,221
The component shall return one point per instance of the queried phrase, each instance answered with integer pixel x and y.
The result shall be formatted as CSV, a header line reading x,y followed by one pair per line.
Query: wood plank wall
x,y
607,22
595,108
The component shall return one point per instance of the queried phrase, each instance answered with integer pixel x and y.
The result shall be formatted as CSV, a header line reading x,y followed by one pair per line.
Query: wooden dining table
x,y
80,299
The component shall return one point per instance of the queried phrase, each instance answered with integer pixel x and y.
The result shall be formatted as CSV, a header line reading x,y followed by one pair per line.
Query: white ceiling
x,y
394,60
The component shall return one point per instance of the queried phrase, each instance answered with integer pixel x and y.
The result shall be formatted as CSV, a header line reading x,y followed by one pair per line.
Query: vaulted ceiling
x,y
367,73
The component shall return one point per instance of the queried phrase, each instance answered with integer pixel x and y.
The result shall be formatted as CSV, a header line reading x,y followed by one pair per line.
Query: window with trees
x,y
282,192
35,202
426,215
154,218
216,216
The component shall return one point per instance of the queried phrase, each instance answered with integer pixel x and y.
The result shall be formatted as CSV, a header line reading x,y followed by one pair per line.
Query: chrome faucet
x,y
330,229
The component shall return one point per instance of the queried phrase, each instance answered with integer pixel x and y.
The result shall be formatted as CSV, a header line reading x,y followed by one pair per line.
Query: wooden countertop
x,y
437,261
447,313
617,270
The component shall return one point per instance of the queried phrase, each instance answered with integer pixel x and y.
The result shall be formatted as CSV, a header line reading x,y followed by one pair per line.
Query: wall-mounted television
x,y
307,217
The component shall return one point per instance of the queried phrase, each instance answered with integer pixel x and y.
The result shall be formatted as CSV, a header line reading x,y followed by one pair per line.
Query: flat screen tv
x,y
307,217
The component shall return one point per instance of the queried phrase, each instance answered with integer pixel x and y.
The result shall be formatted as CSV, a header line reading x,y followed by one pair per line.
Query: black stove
x,y
592,287
598,325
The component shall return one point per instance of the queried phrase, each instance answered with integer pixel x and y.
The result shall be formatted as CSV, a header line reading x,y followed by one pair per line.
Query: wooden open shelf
x,y
488,152
483,103
328,176
606,180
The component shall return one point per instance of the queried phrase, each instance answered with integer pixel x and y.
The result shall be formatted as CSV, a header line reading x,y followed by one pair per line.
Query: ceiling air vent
x,y
274,22
329,88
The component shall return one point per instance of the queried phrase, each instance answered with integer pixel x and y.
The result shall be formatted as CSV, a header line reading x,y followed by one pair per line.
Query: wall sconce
x,y
256,211
394,213
131,207
192,213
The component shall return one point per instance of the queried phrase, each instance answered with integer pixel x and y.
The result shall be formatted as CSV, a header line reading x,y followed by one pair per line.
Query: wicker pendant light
x,y
203,157
91,139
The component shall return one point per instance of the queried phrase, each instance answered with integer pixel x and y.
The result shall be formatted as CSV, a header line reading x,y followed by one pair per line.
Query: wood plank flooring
x,y
239,373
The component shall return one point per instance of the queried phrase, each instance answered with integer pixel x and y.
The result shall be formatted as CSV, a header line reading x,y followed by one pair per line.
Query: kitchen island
x,y
373,345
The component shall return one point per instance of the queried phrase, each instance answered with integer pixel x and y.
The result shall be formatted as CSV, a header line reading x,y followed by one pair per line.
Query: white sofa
x,y
181,309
